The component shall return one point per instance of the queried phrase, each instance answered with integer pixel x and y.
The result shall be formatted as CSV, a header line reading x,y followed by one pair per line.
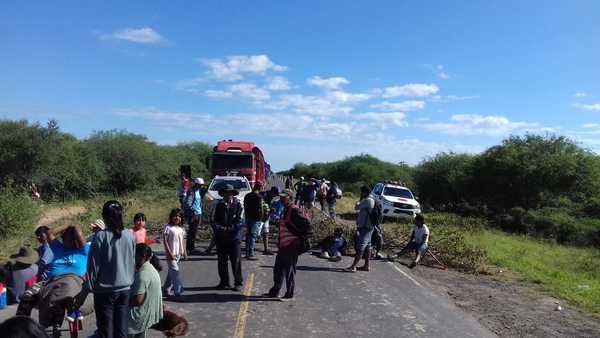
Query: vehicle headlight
x,y
387,202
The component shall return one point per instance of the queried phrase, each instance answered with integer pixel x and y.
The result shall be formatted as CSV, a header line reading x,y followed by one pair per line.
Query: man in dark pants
x,y
227,228
253,212
193,213
293,226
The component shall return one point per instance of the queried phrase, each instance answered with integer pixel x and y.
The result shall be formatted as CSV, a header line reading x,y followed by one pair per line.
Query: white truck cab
x,y
396,200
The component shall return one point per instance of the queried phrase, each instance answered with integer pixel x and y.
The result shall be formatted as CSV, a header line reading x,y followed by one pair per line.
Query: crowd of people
x,y
118,267
113,272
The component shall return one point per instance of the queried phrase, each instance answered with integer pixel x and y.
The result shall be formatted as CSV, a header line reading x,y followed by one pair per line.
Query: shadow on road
x,y
196,259
199,288
318,268
308,268
219,298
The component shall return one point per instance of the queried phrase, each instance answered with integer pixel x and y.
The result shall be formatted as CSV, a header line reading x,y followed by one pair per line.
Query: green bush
x,y
18,213
115,162
353,172
592,207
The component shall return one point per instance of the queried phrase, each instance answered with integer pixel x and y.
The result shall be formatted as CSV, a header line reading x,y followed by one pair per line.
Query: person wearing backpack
x,y
331,198
377,236
294,231
364,230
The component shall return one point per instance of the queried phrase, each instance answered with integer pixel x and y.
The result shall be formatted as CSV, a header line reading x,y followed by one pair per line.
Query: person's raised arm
x,y
79,237
54,233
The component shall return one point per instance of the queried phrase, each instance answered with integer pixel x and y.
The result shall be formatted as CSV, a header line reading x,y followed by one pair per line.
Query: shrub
x,y
592,207
18,212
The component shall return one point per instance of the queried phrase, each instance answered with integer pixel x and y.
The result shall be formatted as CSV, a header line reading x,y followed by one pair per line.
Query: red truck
x,y
239,158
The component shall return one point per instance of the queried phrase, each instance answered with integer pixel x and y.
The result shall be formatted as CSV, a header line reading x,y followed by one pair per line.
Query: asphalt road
x,y
385,302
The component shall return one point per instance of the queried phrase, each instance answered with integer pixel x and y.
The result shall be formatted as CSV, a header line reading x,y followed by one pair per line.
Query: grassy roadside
x,y
155,204
565,272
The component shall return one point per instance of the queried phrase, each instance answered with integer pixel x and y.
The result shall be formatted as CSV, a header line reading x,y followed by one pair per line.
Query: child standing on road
x,y
174,243
139,228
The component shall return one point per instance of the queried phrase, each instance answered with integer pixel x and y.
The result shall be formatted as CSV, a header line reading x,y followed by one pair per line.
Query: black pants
x,y
285,268
377,238
229,250
193,223
112,313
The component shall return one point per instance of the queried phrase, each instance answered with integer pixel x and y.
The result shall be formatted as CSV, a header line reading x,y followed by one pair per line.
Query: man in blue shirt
x,y
193,212
64,277
44,251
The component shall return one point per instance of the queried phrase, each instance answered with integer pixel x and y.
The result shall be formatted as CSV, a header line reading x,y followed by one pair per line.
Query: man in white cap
x,y
193,212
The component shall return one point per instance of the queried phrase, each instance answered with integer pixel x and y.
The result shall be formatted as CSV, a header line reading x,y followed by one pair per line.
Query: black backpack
x,y
376,215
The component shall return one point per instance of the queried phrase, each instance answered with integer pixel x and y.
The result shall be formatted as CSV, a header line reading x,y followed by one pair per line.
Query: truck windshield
x,y
218,184
232,161
397,192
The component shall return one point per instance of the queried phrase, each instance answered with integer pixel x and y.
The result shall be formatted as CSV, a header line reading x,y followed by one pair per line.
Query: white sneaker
x,y
325,254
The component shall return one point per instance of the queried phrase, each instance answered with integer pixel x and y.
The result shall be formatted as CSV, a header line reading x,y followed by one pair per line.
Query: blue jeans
x,y
252,232
112,311
173,281
362,240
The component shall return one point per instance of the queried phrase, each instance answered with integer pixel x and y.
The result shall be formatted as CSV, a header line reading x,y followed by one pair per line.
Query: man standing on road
x,y
364,230
419,237
293,228
331,199
227,228
299,189
193,213
253,214
322,193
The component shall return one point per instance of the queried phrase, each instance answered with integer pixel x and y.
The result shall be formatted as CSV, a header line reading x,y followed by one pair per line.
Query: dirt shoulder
x,y
54,215
511,308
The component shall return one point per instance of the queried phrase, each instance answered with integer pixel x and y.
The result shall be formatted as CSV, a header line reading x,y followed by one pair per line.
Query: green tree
x,y
445,178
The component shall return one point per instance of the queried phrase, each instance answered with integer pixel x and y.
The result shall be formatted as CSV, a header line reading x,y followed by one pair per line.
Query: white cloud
x,y
218,94
442,74
580,94
591,125
333,103
474,124
450,98
233,68
250,91
349,138
190,85
588,107
331,83
137,35
277,83
162,118
306,104
339,96
411,89
383,120
403,106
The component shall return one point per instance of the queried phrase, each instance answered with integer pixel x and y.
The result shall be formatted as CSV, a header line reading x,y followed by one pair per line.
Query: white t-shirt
x,y
174,236
419,232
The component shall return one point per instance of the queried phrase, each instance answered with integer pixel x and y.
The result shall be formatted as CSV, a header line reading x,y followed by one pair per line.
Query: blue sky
x,y
308,80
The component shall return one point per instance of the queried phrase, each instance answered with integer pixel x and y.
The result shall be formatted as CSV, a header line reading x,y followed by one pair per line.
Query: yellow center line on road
x,y
240,326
